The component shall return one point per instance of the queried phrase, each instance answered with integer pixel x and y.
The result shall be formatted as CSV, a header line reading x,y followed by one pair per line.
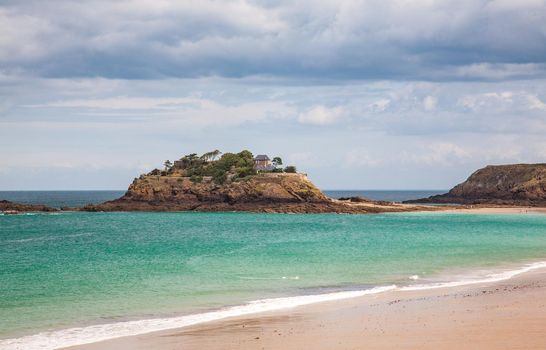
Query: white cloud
x,y
198,111
321,115
380,105
436,153
499,101
500,71
536,103
358,158
430,103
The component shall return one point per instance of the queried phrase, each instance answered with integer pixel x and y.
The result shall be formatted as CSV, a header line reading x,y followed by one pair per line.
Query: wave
x,y
490,278
269,278
90,334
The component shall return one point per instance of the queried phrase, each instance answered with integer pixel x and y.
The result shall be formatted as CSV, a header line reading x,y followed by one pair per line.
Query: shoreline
x,y
398,208
91,336
453,317
499,210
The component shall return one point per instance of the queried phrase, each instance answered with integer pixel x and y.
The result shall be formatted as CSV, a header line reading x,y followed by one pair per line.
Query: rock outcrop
x,y
269,192
517,184
14,208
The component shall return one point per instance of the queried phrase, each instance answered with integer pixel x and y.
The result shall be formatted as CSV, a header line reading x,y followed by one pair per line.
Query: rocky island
x,y
515,185
243,182
234,182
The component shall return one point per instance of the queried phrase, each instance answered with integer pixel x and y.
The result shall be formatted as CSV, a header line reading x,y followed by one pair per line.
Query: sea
x,y
74,277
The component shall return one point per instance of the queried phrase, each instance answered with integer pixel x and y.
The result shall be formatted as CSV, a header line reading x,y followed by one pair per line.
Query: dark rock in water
x,y
355,199
517,184
14,208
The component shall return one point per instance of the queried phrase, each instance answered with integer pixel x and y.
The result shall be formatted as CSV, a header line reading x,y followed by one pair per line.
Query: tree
x,y
215,154
277,161
245,154
290,169
192,157
168,165
206,156
219,177
210,156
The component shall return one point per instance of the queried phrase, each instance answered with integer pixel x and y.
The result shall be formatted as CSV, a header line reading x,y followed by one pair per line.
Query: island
x,y
215,181
233,182
504,185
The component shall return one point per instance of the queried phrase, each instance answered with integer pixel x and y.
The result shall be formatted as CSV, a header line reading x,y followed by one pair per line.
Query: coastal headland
x,y
499,185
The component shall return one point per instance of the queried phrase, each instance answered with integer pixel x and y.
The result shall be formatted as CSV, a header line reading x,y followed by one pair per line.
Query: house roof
x,y
261,157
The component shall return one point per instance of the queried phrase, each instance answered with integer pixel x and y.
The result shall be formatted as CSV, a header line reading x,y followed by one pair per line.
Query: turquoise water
x,y
62,270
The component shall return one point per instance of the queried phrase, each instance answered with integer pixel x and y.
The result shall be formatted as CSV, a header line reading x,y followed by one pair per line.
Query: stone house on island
x,y
263,163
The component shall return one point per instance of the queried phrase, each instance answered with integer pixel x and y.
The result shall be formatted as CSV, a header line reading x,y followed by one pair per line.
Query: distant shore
x,y
509,314
498,210
348,206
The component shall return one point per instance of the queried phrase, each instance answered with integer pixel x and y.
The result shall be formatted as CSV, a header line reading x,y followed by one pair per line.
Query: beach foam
x,y
91,334
490,278
84,335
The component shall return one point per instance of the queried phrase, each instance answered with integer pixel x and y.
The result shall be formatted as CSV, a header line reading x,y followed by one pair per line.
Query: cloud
x,y
430,103
500,71
321,115
199,111
536,103
502,101
358,158
380,105
377,126
443,153
340,39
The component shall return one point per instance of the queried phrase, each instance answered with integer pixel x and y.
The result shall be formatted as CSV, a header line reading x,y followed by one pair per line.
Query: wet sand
x,y
500,210
503,315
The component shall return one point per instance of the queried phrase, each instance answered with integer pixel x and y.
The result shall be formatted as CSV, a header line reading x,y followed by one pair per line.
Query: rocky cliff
x,y
516,184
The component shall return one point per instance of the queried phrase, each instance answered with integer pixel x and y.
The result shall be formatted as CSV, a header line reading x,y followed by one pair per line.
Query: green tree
x,y
168,165
277,161
246,154
290,169
215,154
219,177
206,156
192,157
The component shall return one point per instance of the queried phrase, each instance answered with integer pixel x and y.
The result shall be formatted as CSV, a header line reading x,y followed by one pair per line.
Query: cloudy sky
x,y
369,94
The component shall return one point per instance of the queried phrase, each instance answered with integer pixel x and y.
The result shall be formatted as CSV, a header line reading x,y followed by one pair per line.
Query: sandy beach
x,y
498,210
510,314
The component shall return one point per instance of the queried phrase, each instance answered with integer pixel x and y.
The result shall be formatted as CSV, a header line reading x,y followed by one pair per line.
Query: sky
x,y
369,94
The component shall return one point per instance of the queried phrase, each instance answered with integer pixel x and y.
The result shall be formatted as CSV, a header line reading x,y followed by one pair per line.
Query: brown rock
x,y
14,208
265,193
517,184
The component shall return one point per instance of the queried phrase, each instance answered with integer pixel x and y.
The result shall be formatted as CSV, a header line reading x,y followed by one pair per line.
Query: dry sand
x,y
504,315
